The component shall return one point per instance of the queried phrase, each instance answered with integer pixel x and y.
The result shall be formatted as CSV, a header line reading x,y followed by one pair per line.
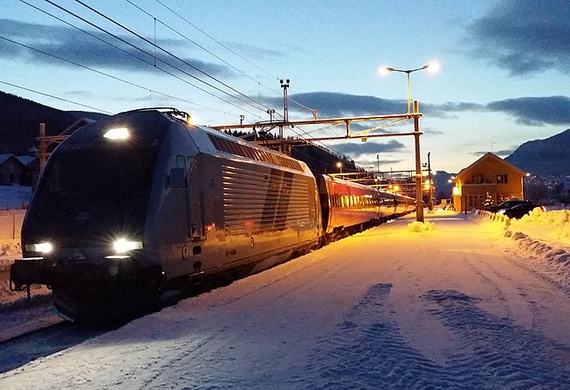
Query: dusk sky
x,y
504,77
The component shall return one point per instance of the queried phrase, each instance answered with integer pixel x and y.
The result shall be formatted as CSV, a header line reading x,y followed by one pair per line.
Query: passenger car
x,y
521,210
506,205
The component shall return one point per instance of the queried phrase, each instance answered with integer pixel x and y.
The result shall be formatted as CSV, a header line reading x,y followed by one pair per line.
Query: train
x,y
144,202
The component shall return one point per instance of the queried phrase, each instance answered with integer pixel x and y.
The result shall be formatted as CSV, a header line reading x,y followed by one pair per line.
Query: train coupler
x,y
25,272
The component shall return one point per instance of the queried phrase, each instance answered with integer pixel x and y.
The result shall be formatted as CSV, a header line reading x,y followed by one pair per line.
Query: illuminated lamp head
x,y
117,134
42,247
122,245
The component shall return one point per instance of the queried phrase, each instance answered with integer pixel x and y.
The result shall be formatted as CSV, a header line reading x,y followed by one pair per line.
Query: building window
x,y
477,179
502,178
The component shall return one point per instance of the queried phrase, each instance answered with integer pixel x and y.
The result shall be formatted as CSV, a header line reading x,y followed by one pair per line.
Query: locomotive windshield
x,y
109,175
101,193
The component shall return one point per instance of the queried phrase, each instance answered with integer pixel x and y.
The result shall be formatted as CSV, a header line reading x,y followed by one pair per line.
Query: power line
x,y
54,97
233,52
138,49
215,40
175,57
105,74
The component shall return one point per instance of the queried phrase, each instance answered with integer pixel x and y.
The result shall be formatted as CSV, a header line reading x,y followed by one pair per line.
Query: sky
x,y
503,79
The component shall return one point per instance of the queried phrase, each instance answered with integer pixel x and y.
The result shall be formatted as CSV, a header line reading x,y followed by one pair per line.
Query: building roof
x,y
5,157
494,158
26,159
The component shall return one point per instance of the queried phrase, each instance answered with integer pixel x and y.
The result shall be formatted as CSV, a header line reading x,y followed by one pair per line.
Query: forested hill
x,y
20,121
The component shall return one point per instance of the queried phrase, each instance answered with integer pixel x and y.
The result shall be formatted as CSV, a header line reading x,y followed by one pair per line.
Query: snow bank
x,y
419,227
540,242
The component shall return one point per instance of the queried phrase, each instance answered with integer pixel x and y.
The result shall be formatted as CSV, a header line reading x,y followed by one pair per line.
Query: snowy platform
x,y
446,304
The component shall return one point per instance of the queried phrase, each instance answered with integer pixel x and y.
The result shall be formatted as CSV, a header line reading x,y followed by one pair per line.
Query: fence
x,y
11,224
10,228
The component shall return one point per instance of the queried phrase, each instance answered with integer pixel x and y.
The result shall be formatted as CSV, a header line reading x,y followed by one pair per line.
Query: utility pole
x,y
417,133
42,153
378,159
285,85
430,181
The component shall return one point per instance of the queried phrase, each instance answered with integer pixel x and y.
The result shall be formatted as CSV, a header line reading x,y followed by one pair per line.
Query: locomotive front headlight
x,y
117,133
42,247
123,245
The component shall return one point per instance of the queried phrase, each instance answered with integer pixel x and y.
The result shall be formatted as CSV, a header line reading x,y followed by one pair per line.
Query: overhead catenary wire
x,y
150,55
137,49
312,110
54,97
257,105
146,89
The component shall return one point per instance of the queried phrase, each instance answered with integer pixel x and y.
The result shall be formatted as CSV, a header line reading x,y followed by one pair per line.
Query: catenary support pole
x,y
417,133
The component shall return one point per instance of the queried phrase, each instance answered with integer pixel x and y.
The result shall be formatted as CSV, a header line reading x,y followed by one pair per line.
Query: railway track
x,y
47,339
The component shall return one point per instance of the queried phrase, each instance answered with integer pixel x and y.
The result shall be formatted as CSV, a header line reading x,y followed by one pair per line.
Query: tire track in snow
x,y
368,350
503,354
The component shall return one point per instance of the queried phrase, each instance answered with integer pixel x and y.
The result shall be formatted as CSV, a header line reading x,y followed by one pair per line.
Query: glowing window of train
x,y
117,133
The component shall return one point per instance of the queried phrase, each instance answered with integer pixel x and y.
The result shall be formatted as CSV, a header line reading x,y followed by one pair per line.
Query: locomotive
x,y
144,202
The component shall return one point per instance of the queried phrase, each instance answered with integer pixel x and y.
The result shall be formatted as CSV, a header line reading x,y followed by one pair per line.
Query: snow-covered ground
x,y
462,301
14,197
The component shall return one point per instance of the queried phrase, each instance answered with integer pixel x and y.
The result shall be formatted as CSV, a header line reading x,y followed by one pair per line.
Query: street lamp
x,y
431,67
339,166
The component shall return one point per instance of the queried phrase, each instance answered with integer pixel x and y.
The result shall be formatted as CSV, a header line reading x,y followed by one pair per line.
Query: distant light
x,y
385,70
118,133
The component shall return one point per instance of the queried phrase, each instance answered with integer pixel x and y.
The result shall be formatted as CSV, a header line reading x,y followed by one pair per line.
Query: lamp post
x,y
431,67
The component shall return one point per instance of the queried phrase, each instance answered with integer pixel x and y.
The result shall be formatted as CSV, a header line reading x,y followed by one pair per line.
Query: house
x,y
488,181
31,170
11,169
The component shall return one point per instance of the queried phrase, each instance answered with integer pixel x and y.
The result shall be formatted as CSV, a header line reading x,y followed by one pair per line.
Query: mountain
x,y
547,157
20,121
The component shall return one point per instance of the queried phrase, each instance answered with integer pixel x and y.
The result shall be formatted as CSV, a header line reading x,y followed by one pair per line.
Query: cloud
x,y
535,111
503,153
531,111
524,37
93,50
335,105
369,147
251,51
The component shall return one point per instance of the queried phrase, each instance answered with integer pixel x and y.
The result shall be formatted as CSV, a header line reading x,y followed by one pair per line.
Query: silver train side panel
x,y
233,212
